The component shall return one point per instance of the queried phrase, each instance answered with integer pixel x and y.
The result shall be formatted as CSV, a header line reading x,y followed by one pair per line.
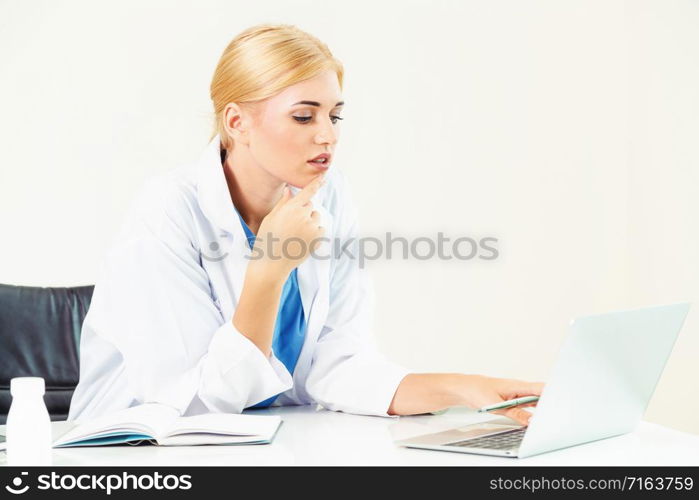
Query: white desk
x,y
309,436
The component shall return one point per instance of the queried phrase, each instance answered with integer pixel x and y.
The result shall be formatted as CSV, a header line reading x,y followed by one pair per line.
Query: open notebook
x,y
162,425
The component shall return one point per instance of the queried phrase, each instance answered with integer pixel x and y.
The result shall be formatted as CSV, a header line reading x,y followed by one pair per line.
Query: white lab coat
x,y
159,328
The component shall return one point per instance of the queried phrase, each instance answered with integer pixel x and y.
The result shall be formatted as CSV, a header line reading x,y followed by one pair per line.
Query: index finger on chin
x,y
305,195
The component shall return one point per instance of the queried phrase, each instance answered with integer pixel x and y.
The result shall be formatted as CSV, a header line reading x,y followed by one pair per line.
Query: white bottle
x,y
28,428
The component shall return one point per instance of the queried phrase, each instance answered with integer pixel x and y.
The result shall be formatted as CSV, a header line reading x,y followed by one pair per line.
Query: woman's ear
x,y
236,123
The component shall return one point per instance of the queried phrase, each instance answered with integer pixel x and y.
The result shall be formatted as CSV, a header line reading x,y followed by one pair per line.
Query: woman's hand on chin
x,y
290,232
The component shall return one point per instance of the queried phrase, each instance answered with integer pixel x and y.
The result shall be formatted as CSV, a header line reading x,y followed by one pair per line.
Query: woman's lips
x,y
321,167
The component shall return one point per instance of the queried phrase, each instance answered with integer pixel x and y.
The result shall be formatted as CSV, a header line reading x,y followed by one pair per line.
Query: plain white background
x,y
566,129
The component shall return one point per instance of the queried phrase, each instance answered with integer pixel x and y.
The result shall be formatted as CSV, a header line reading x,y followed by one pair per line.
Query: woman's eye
x,y
304,119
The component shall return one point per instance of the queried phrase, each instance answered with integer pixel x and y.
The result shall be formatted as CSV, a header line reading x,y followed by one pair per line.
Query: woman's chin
x,y
303,180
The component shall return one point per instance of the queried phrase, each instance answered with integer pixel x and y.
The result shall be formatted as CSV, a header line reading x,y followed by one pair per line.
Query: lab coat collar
x,y
212,190
216,204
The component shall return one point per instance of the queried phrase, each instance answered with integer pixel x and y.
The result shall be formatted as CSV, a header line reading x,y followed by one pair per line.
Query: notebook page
x,y
211,439
146,419
226,424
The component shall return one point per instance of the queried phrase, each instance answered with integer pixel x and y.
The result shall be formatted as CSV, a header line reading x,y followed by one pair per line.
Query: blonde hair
x,y
262,61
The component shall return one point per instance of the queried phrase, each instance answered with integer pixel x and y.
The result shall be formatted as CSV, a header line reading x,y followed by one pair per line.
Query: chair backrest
x,y
40,337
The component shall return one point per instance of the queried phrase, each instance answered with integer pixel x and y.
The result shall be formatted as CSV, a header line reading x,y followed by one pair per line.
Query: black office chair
x,y
40,337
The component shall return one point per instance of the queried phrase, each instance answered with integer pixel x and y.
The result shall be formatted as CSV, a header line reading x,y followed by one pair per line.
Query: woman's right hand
x,y
289,233
477,391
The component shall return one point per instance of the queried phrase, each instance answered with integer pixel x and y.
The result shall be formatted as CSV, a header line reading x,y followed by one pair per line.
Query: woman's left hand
x,y
477,391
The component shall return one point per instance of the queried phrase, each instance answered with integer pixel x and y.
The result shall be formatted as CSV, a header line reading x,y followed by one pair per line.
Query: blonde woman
x,y
222,291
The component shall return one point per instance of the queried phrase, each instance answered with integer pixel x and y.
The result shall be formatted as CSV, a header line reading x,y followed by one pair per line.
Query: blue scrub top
x,y
290,327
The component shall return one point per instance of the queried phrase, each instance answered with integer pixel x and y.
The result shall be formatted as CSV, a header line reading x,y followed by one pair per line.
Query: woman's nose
x,y
327,134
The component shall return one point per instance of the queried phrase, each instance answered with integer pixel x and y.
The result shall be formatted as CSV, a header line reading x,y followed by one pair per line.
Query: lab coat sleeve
x,y
153,303
348,373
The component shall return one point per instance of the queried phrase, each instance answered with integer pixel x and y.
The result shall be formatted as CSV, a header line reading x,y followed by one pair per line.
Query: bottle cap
x,y
27,386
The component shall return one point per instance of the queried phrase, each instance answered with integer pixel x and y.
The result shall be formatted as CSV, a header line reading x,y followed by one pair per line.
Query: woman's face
x,y
295,126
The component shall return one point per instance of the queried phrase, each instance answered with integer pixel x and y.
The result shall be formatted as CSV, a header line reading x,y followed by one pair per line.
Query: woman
x,y
222,293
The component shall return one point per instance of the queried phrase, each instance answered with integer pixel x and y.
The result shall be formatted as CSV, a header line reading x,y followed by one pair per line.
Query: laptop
x,y
611,362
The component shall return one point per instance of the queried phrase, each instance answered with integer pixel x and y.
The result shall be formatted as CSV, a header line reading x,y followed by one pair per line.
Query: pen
x,y
510,403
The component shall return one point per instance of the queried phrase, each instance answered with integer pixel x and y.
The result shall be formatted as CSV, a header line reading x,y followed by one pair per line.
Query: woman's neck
x,y
253,191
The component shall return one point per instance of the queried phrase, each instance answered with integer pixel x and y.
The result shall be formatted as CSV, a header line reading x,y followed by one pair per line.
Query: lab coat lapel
x,y
313,273
229,239
314,285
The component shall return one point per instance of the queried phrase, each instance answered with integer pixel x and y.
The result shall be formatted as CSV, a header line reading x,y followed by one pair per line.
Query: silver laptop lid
x,y
604,377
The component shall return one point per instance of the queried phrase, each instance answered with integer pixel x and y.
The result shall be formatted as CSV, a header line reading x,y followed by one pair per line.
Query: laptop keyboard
x,y
502,441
